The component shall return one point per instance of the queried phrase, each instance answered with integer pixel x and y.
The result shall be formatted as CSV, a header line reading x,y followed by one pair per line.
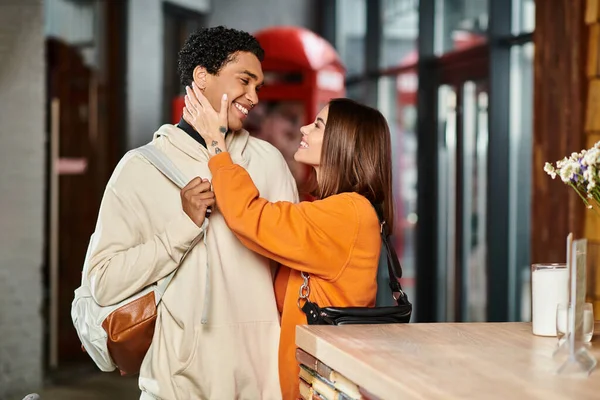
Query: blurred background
x,y
478,95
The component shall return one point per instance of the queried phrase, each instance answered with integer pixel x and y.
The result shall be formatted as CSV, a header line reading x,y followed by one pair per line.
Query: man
x,y
217,330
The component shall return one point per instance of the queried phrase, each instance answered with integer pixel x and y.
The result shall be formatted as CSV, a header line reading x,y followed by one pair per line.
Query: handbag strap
x,y
392,262
164,164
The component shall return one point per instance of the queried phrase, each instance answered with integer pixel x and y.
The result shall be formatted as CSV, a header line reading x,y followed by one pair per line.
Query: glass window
x,y
462,201
523,20
398,103
350,35
446,203
521,128
474,224
279,123
357,91
400,32
460,24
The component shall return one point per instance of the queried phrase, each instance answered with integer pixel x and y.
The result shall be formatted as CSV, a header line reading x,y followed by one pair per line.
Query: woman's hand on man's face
x,y
210,124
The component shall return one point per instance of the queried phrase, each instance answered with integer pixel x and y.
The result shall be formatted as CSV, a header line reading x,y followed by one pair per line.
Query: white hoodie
x,y
141,236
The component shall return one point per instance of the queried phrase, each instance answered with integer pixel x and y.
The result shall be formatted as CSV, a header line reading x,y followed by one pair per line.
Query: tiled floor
x,y
98,386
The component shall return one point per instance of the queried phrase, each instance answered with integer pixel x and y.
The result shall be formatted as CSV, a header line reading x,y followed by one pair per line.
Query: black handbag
x,y
396,314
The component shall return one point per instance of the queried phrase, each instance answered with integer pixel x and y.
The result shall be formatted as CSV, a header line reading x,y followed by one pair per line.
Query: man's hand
x,y
196,198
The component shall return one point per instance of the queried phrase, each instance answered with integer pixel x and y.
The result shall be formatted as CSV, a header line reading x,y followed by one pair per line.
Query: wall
x,y
592,133
75,23
252,15
145,66
559,108
22,119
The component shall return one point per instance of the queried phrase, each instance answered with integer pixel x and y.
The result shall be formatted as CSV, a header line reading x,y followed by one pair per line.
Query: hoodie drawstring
x,y
204,319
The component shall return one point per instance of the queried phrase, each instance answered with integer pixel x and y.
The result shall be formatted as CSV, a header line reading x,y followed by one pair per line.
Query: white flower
x,y
569,171
562,163
592,157
581,171
590,175
549,168
591,186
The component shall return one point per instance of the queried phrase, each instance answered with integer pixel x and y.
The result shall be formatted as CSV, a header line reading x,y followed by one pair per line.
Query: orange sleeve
x,y
315,237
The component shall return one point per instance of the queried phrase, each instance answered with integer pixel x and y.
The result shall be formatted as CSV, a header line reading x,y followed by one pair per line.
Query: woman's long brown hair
x,y
356,155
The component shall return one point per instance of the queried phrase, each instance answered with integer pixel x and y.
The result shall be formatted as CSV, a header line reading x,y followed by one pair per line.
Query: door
x,y
74,191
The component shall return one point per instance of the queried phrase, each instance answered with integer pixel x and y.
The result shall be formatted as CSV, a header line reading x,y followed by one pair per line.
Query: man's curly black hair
x,y
212,48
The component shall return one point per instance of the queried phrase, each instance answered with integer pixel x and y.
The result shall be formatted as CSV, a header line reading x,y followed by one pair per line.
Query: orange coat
x,y
335,240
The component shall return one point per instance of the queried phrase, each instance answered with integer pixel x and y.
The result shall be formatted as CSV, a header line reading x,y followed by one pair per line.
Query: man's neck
x,y
187,128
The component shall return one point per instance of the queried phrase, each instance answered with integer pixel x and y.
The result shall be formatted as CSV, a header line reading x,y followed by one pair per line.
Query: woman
x,y
335,240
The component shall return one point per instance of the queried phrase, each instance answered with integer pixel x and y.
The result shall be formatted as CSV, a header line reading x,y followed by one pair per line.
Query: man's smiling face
x,y
241,78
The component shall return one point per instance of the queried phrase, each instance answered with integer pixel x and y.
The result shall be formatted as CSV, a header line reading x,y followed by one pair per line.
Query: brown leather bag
x,y
130,330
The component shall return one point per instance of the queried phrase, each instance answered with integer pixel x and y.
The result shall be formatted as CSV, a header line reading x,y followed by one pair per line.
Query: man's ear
x,y
199,77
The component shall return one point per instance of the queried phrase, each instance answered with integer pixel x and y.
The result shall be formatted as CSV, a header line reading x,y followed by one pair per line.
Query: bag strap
x,y
164,164
393,264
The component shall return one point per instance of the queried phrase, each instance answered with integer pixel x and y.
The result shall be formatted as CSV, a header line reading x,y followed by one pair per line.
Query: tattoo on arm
x,y
223,129
214,144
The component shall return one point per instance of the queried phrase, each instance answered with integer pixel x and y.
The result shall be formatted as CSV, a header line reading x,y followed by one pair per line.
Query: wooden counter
x,y
448,361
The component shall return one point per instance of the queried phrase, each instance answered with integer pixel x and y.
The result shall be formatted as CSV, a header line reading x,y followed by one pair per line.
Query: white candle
x,y
549,287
